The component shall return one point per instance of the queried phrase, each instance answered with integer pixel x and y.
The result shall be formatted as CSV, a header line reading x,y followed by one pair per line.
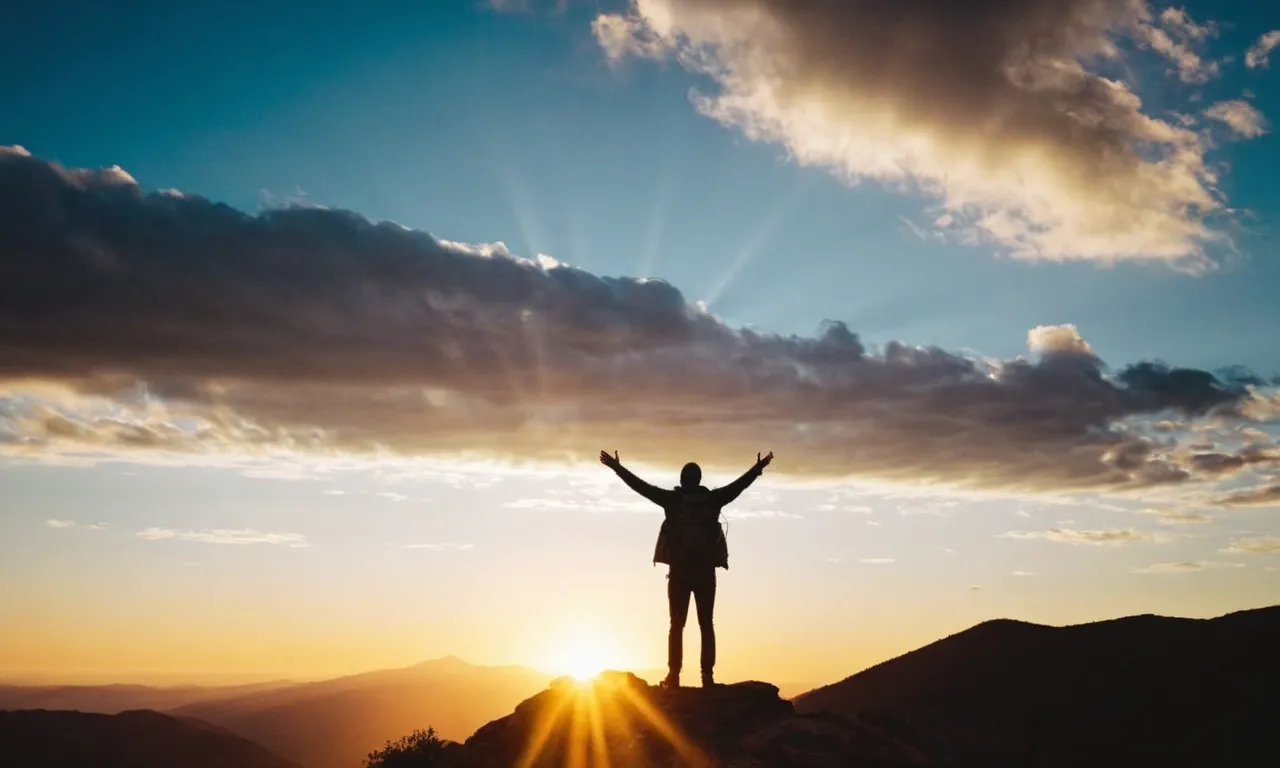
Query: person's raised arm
x,y
651,492
731,491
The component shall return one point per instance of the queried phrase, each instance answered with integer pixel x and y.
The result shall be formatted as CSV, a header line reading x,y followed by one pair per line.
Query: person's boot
x,y
707,680
672,680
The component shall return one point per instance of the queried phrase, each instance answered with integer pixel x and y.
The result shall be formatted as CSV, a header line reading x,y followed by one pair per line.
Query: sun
x,y
584,655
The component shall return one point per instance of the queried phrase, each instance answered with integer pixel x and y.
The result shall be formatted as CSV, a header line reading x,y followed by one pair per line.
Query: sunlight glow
x,y
584,654
579,726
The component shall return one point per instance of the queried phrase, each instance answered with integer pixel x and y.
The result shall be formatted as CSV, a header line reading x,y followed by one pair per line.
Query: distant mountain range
x,y
1132,692
110,699
335,723
1139,691
142,739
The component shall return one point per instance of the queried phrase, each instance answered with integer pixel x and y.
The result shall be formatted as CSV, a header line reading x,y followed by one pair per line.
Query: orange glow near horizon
x,y
584,654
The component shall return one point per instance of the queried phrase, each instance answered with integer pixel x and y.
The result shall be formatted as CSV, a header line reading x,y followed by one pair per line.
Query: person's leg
x,y
705,594
678,593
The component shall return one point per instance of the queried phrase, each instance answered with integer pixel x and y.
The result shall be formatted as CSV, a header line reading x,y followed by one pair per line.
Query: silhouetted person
x,y
692,543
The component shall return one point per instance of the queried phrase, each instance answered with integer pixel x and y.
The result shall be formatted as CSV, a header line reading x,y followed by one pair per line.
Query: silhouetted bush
x,y
420,749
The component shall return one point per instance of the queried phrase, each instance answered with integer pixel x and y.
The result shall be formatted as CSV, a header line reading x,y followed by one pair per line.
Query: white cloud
x,y
1242,117
1259,53
856,509
224,536
1185,566
335,492
877,560
1180,23
732,513
392,496
1055,339
1190,67
70,524
995,112
1178,516
1255,545
1110,537
1023,573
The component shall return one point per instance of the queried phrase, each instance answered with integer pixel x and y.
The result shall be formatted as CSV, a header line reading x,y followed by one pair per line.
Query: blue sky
x,y
484,127
481,125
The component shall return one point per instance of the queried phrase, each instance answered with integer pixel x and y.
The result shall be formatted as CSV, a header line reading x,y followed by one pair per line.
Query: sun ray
x,y
687,751
657,223
527,217
515,387
599,748
542,731
768,228
576,750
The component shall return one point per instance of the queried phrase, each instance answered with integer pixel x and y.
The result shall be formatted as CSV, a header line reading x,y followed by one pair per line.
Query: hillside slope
x,y
138,739
335,723
1143,690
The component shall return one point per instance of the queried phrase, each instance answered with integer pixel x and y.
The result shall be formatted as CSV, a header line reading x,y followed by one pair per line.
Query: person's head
x,y
691,475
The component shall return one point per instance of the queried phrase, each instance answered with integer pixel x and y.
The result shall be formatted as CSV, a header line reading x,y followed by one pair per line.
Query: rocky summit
x,y
619,720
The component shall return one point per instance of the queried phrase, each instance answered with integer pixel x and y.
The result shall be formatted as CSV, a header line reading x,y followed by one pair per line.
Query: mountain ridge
x,y
41,738
1112,692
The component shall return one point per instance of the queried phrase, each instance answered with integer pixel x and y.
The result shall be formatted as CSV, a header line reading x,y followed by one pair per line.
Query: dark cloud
x,y
162,322
1217,463
1262,496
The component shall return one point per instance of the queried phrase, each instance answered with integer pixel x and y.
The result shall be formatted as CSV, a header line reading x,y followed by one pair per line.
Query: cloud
x,y
1114,537
877,560
224,536
1253,455
1256,545
999,110
582,503
1023,573
392,496
156,326
1180,23
72,524
1184,566
1160,34
760,514
1242,117
1260,496
1058,339
1259,53
1177,516
444,546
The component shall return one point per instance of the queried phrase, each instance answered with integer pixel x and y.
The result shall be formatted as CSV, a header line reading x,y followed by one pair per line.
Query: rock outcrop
x,y
621,721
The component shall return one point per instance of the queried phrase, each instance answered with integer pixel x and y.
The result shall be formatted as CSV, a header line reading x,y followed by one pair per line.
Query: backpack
x,y
691,535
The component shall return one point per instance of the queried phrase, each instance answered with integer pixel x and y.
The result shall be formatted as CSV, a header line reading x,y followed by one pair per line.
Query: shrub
x,y
420,749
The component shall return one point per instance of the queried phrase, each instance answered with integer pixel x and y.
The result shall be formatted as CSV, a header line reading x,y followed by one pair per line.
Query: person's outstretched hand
x,y
763,461
613,462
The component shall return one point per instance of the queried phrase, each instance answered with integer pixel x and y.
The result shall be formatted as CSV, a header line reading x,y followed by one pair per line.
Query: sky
x,y
313,320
